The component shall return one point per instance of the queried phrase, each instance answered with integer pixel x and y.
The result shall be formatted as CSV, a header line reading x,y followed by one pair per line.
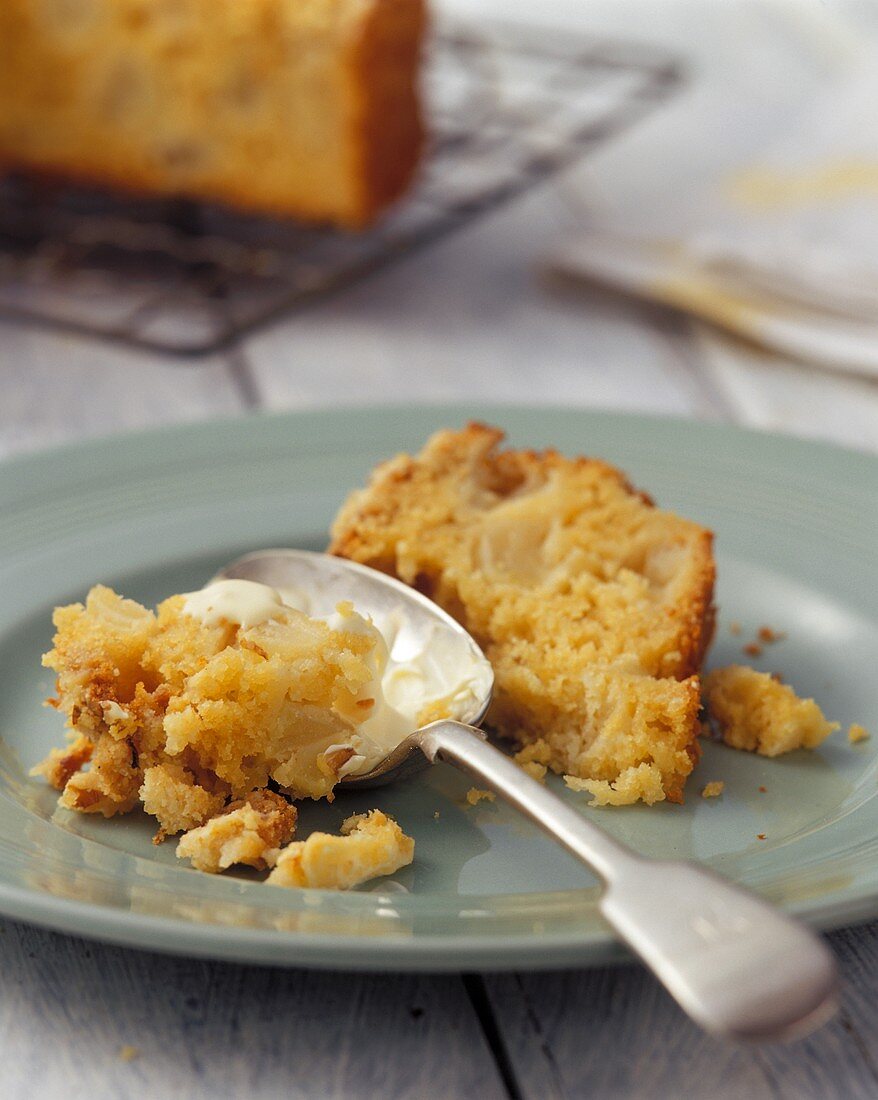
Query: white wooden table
x,y
469,319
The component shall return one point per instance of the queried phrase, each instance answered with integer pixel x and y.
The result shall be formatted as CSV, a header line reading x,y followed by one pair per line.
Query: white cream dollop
x,y
243,603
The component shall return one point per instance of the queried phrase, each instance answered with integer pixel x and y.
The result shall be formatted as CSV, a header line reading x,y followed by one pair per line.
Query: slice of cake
x,y
757,713
209,699
306,108
593,606
370,845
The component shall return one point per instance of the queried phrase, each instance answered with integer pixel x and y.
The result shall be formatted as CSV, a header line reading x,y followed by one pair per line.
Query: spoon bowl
x,y
327,581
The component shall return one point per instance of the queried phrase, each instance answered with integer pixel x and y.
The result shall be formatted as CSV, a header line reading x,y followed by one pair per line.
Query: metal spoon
x,y
738,966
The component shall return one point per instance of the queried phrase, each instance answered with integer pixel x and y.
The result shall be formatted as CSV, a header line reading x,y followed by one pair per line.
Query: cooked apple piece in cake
x,y
371,845
593,606
756,712
248,831
195,705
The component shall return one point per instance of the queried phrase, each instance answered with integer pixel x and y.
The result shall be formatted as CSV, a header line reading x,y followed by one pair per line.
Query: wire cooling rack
x,y
506,110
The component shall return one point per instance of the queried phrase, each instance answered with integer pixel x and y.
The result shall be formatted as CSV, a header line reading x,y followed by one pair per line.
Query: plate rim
x,y
462,410
423,953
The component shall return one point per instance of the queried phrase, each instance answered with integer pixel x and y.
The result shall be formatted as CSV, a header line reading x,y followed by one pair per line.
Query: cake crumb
x,y
755,713
735,628
476,794
535,770
371,845
61,764
435,815
250,832
760,836
752,649
642,783
768,635
762,790
534,759
128,1053
713,789
857,733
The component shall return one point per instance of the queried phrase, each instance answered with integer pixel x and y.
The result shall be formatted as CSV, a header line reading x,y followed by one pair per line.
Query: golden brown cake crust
x,y
302,108
386,108
594,607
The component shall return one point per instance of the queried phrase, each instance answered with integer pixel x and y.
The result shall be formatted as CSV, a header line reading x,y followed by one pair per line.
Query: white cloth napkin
x,y
783,250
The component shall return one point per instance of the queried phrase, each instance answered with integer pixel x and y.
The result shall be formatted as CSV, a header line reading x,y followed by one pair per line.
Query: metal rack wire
x,y
507,110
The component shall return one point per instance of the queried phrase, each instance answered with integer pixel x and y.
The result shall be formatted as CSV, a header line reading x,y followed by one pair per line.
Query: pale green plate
x,y
152,514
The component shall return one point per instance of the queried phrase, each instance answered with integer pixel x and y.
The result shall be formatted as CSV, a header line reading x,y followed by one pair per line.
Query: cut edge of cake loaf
x,y
296,108
594,607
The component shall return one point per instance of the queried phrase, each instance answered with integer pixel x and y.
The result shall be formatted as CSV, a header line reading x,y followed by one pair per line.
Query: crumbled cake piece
x,y
534,759
371,845
593,606
535,770
752,649
640,784
713,789
184,716
857,733
769,636
110,785
756,713
536,752
248,831
61,764
478,794
170,794
734,627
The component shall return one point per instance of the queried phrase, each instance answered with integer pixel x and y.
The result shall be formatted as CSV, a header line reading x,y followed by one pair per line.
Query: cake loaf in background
x,y
300,108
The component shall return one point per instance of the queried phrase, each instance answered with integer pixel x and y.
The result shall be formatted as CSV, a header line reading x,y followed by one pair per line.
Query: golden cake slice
x,y
757,713
593,606
370,845
188,708
306,108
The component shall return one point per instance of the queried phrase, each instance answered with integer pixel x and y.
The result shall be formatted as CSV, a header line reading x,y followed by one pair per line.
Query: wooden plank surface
x,y
56,388
613,1033
473,319
81,1019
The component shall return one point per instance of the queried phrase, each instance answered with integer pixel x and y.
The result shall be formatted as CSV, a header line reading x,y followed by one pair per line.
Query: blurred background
x,y
657,205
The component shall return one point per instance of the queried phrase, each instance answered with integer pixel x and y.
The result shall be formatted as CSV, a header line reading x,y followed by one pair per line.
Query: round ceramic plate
x,y
796,526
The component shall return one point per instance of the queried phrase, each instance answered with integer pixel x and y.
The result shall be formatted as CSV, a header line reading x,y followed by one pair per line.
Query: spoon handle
x,y
736,964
